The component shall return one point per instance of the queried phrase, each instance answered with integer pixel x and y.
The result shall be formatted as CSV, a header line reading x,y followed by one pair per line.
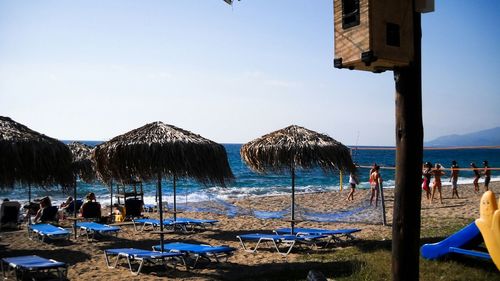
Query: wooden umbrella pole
x,y
293,198
160,209
175,200
111,200
29,203
74,209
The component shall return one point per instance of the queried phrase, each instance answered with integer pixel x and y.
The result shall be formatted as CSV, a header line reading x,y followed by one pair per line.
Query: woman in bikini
x,y
437,172
427,174
477,175
375,183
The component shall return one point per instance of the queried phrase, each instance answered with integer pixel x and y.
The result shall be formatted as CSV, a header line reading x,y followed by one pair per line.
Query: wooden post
x,y
175,199
293,199
160,209
111,200
340,178
74,210
29,203
409,146
382,199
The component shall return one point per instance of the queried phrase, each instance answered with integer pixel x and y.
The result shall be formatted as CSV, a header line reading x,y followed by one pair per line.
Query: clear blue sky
x,y
92,69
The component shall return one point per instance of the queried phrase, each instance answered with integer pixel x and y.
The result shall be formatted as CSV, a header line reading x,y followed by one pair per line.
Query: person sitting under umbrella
x,y
91,208
47,212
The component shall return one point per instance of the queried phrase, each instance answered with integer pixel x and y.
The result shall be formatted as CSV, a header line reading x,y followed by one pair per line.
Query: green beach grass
x,y
371,260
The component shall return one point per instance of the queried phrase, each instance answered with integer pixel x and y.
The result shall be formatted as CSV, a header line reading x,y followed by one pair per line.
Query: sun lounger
x,y
28,267
335,235
277,240
42,231
150,208
142,256
9,214
154,224
196,223
198,251
91,229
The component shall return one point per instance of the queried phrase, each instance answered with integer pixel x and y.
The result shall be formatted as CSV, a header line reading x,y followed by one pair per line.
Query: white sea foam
x,y
220,193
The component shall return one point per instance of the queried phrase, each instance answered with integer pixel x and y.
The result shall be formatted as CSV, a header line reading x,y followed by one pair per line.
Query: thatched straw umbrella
x,y
83,167
296,147
156,150
30,158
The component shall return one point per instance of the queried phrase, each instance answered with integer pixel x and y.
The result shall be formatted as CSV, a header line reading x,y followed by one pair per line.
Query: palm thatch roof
x,y
83,166
158,148
296,147
31,158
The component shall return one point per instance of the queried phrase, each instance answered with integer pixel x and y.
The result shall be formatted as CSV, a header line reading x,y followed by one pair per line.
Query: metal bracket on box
x,y
368,58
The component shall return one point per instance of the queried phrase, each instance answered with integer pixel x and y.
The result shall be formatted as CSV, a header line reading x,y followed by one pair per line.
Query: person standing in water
x,y
477,176
353,181
487,175
454,179
437,173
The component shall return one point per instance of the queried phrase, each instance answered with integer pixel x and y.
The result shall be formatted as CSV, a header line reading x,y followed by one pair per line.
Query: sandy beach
x,y
86,259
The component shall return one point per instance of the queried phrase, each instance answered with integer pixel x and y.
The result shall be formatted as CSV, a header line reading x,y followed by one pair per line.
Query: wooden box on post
x,y
373,35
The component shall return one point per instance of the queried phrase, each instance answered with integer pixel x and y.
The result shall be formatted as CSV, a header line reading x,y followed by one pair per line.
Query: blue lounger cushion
x,y
33,264
140,253
334,234
133,254
196,221
154,223
93,228
275,237
194,248
278,240
192,224
43,230
300,230
198,250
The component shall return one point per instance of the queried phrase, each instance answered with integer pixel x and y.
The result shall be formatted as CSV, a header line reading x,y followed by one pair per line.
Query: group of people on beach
x,y
375,184
437,172
46,212
42,210
428,171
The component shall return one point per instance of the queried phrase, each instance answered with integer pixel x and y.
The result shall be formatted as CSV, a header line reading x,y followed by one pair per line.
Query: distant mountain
x,y
480,138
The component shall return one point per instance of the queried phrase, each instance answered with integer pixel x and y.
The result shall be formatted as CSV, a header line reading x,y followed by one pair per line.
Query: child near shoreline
x,y
353,181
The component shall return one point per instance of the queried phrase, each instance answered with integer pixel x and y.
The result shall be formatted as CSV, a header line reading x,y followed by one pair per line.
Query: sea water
x,y
249,183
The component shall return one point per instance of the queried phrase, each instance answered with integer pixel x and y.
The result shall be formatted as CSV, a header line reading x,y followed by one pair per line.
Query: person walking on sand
x,y
454,179
437,173
487,175
477,176
426,181
353,181
375,184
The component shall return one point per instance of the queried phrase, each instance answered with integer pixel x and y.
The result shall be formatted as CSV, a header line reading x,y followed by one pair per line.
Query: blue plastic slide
x,y
454,244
